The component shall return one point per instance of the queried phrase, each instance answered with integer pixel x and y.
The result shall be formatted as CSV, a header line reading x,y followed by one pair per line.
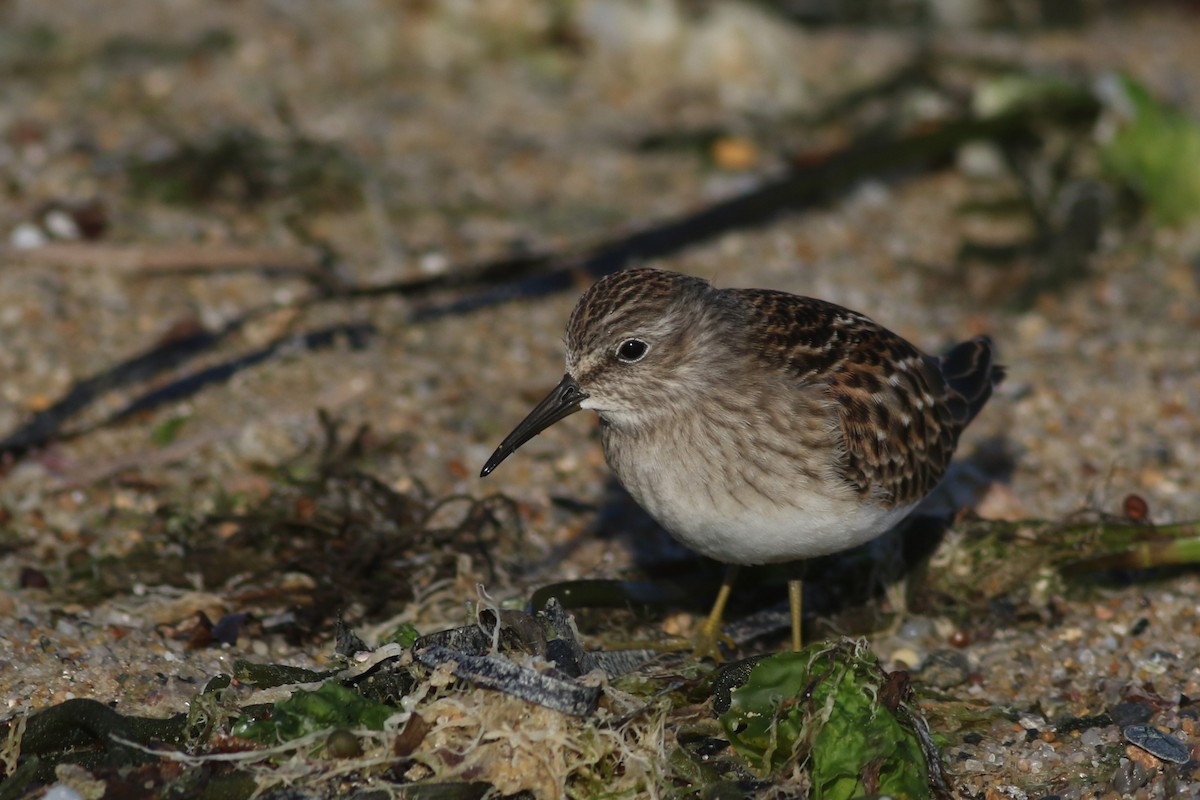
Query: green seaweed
x,y
996,558
167,431
331,706
1155,151
88,733
404,635
824,705
244,166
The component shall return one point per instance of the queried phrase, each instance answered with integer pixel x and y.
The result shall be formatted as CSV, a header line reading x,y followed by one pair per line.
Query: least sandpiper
x,y
758,426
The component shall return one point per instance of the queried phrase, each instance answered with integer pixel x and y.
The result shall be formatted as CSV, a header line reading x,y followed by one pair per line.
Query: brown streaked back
x,y
899,425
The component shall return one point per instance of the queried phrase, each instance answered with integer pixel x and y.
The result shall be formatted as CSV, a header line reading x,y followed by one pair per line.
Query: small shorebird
x,y
759,426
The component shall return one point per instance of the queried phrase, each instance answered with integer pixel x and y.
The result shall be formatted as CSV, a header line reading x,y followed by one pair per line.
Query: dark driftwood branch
x,y
52,422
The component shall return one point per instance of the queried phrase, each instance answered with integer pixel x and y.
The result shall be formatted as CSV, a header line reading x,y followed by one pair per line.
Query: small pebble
x,y
33,579
734,153
61,225
915,629
1128,777
26,236
981,160
906,656
1158,744
60,791
1125,714
1135,507
1139,756
343,744
228,627
1031,721
945,669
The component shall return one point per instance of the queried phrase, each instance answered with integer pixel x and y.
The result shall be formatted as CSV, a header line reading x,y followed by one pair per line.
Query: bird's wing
x,y
893,407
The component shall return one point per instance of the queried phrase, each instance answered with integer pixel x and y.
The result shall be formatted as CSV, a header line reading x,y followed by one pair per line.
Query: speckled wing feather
x,y
900,411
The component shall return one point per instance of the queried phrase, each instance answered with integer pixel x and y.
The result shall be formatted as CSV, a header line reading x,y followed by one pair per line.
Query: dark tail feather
x,y
970,371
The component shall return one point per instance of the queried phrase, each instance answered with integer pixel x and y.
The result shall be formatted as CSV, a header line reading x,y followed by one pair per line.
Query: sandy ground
x,y
471,133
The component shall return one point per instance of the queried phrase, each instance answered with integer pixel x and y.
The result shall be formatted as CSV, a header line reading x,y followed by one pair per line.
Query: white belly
x,y
732,533
743,505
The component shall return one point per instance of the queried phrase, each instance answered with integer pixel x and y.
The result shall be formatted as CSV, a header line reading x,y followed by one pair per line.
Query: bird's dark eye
x,y
632,350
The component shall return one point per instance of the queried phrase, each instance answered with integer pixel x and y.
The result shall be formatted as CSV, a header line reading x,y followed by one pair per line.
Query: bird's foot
x,y
707,641
701,645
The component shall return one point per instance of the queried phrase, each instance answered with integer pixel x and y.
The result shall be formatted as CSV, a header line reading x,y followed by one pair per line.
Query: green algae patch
x,y
304,713
832,708
405,635
1154,149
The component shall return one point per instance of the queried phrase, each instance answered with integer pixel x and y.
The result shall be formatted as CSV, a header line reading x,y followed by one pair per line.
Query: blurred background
x,y
275,278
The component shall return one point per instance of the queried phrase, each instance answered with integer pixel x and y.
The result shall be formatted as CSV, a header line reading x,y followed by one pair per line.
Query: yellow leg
x,y
709,640
796,604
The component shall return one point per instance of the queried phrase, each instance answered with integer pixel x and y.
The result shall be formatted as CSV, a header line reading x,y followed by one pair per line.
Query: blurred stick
x,y
993,559
172,259
1141,547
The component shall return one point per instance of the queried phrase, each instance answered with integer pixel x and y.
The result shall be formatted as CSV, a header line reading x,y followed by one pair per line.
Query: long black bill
x,y
563,401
